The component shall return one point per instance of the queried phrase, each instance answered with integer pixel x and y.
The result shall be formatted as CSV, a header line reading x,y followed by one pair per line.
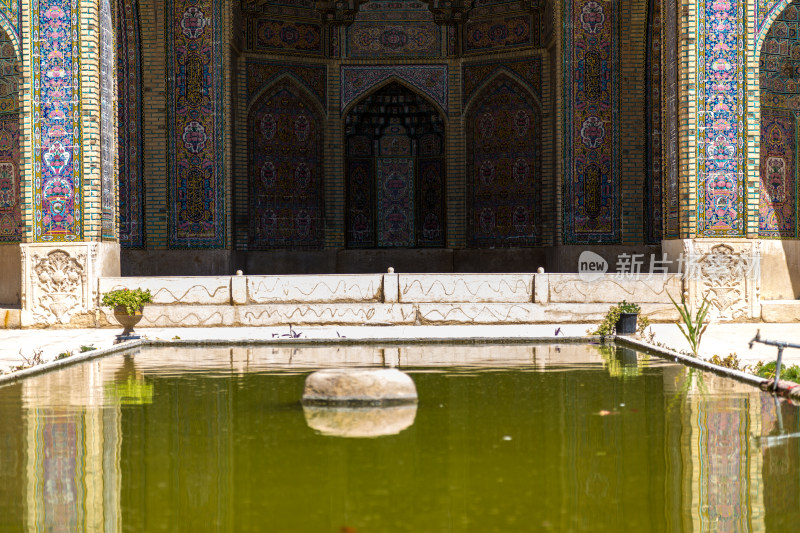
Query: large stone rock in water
x,y
359,386
359,422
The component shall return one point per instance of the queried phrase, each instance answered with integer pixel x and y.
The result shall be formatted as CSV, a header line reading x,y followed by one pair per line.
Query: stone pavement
x,y
720,339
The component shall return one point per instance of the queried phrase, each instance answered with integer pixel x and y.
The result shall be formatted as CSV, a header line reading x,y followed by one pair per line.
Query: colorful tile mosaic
x,y
377,39
528,71
57,139
393,29
430,200
592,122
777,209
654,202
129,125
11,224
394,178
764,9
500,33
195,122
779,62
495,10
11,11
779,65
360,198
429,79
671,172
108,189
720,112
503,167
286,183
394,11
261,74
395,171
10,73
278,35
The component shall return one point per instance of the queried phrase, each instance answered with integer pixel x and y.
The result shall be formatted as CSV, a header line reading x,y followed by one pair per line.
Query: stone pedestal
x,y
726,271
59,281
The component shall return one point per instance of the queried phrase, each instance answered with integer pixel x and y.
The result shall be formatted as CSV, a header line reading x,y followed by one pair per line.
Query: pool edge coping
x,y
659,351
15,376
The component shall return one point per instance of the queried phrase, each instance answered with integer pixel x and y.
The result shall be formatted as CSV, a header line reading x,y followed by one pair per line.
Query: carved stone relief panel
x,y
727,273
58,283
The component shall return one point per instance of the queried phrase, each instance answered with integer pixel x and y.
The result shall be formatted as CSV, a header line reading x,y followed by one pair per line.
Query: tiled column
x,y
72,240
719,263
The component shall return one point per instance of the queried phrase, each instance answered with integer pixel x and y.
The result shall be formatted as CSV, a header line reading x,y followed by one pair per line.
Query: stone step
x,y
372,313
780,310
10,318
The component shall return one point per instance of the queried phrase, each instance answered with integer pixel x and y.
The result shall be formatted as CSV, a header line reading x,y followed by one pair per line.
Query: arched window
x,y
395,171
503,167
286,201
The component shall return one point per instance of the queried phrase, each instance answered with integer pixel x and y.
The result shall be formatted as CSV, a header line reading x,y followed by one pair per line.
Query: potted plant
x,y
621,319
127,305
628,317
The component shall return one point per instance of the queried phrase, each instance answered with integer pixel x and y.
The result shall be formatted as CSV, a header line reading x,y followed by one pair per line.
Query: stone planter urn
x,y
127,320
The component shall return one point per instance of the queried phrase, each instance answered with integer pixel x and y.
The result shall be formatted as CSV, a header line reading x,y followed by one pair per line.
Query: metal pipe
x,y
781,345
778,368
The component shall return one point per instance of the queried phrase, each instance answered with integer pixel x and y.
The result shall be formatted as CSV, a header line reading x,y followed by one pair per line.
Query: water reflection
x,y
359,422
218,441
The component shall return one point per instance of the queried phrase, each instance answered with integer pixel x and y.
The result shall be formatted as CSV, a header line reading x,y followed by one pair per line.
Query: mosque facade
x,y
201,137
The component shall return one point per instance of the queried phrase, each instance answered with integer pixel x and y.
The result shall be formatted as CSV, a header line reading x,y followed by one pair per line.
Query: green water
x,y
559,439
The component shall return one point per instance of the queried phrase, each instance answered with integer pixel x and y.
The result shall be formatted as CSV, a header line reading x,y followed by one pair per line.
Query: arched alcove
x,y
394,142
503,131
779,68
285,135
11,224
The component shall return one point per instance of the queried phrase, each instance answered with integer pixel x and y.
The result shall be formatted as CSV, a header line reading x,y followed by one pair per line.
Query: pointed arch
x,y
399,81
294,81
491,78
285,170
395,169
357,80
767,11
779,122
11,31
504,161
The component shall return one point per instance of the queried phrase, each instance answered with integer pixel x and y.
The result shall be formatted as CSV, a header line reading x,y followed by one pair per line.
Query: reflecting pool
x,y
504,439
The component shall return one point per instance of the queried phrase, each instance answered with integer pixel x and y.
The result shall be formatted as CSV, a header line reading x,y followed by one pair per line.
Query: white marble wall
x,y
484,288
394,299
320,288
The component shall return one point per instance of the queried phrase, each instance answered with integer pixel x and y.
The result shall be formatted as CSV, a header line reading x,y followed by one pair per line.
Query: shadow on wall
x,y
333,261
780,269
10,275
